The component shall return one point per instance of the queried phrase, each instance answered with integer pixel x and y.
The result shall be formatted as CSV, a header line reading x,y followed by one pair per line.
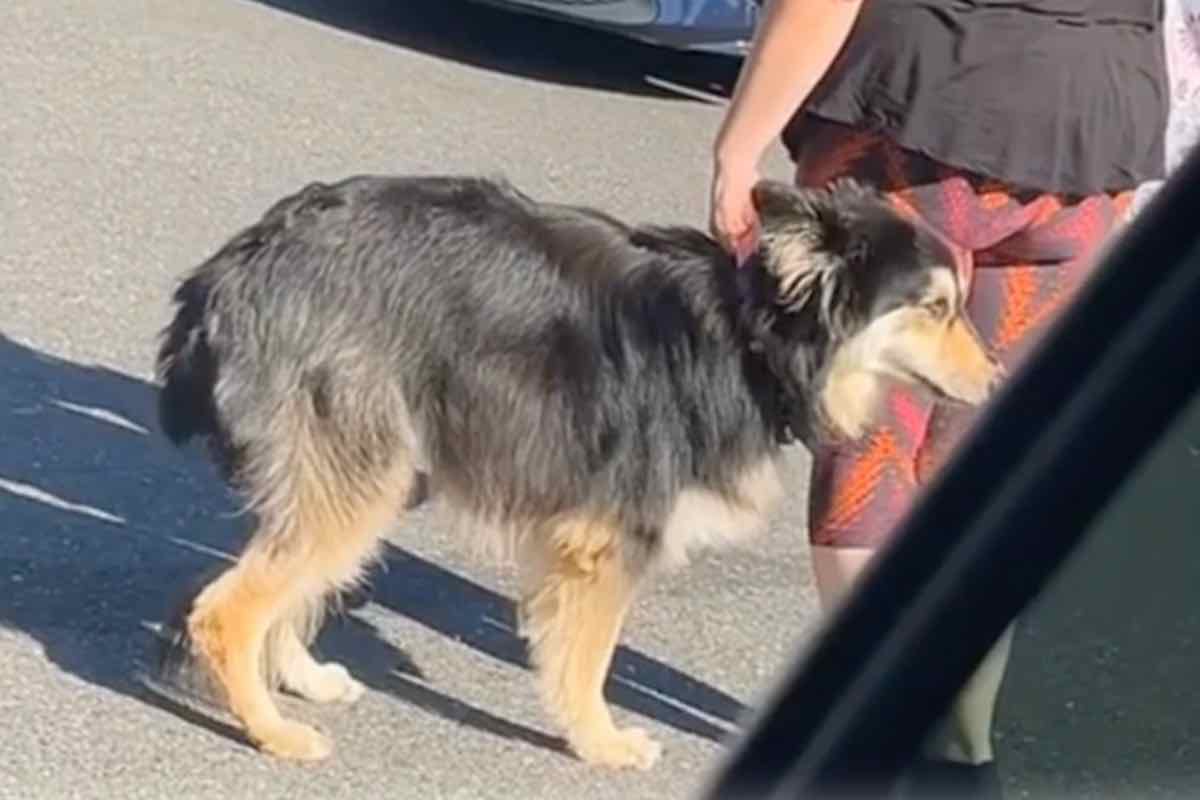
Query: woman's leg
x,y
1020,286
965,734
836,569
861,491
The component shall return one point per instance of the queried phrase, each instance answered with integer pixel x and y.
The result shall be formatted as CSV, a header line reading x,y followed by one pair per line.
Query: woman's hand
x,y
732,217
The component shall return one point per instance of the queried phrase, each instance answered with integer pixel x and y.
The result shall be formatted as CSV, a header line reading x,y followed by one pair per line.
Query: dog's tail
x,y
187,364
178,674
186,370
186,367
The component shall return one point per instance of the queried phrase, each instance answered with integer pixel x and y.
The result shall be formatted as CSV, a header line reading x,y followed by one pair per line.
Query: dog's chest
x,y
705,519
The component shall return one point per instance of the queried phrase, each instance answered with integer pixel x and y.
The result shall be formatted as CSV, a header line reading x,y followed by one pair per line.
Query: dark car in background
x,y
719,26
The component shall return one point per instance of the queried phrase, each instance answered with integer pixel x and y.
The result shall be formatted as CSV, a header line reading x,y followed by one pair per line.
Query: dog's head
x,y
860,295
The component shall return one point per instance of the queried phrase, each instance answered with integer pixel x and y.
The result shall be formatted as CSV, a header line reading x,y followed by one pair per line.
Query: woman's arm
x,y
796,42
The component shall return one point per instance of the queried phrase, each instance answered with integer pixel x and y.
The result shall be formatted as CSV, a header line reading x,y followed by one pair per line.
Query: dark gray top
x,y
1067,96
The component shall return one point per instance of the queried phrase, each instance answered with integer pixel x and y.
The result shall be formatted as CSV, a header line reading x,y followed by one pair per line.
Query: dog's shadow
x,y
103,521
470,32
467,612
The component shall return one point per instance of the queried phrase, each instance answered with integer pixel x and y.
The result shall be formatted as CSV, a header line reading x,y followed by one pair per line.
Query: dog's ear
x,y
811,245
775,200
790,239
780,203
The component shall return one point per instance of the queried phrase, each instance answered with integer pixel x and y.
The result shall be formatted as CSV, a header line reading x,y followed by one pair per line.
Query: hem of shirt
x,y
1019,181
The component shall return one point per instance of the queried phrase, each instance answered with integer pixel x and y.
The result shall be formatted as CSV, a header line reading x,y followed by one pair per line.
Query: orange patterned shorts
x,y
1024,254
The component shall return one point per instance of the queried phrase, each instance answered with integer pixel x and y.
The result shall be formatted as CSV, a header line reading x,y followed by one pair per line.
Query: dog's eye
x,y
939,307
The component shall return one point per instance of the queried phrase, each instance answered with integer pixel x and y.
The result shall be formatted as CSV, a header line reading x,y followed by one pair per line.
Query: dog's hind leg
x,y
576,593
228,627
244,626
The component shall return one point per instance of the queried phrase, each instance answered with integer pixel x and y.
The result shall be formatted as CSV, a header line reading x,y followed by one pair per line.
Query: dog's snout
x,y
984,381
971,373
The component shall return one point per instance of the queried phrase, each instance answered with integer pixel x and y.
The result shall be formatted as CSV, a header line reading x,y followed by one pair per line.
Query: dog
x,y
599,399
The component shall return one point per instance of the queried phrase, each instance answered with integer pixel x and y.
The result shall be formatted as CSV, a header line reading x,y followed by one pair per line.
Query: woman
x,y
1018,131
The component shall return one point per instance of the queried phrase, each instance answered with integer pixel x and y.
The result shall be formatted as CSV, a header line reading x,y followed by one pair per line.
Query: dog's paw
x,y
628,748
329,683
294,741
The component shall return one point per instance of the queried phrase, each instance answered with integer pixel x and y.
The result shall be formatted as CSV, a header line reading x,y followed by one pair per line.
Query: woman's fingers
x,y
733,220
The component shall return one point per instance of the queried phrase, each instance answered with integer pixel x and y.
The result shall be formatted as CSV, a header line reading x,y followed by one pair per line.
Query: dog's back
x,y
403,314
322,268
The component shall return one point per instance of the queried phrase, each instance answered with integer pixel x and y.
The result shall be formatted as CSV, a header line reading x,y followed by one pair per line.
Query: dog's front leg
x,y
572,610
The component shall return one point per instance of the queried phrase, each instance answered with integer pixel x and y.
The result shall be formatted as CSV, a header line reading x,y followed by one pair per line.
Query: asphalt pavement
x,y
135,136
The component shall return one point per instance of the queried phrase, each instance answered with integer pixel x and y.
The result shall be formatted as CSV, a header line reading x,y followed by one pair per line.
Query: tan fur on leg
x,y
228,626
246,625
572,613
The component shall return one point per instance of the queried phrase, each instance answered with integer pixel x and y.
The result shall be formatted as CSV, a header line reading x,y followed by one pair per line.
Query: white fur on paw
x,y
330,683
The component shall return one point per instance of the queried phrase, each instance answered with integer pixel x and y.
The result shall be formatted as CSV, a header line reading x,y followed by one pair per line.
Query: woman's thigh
x,y
1025,256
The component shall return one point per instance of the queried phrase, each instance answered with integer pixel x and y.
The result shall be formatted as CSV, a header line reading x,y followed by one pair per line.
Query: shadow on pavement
x,y
105,523
482,619
524,45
